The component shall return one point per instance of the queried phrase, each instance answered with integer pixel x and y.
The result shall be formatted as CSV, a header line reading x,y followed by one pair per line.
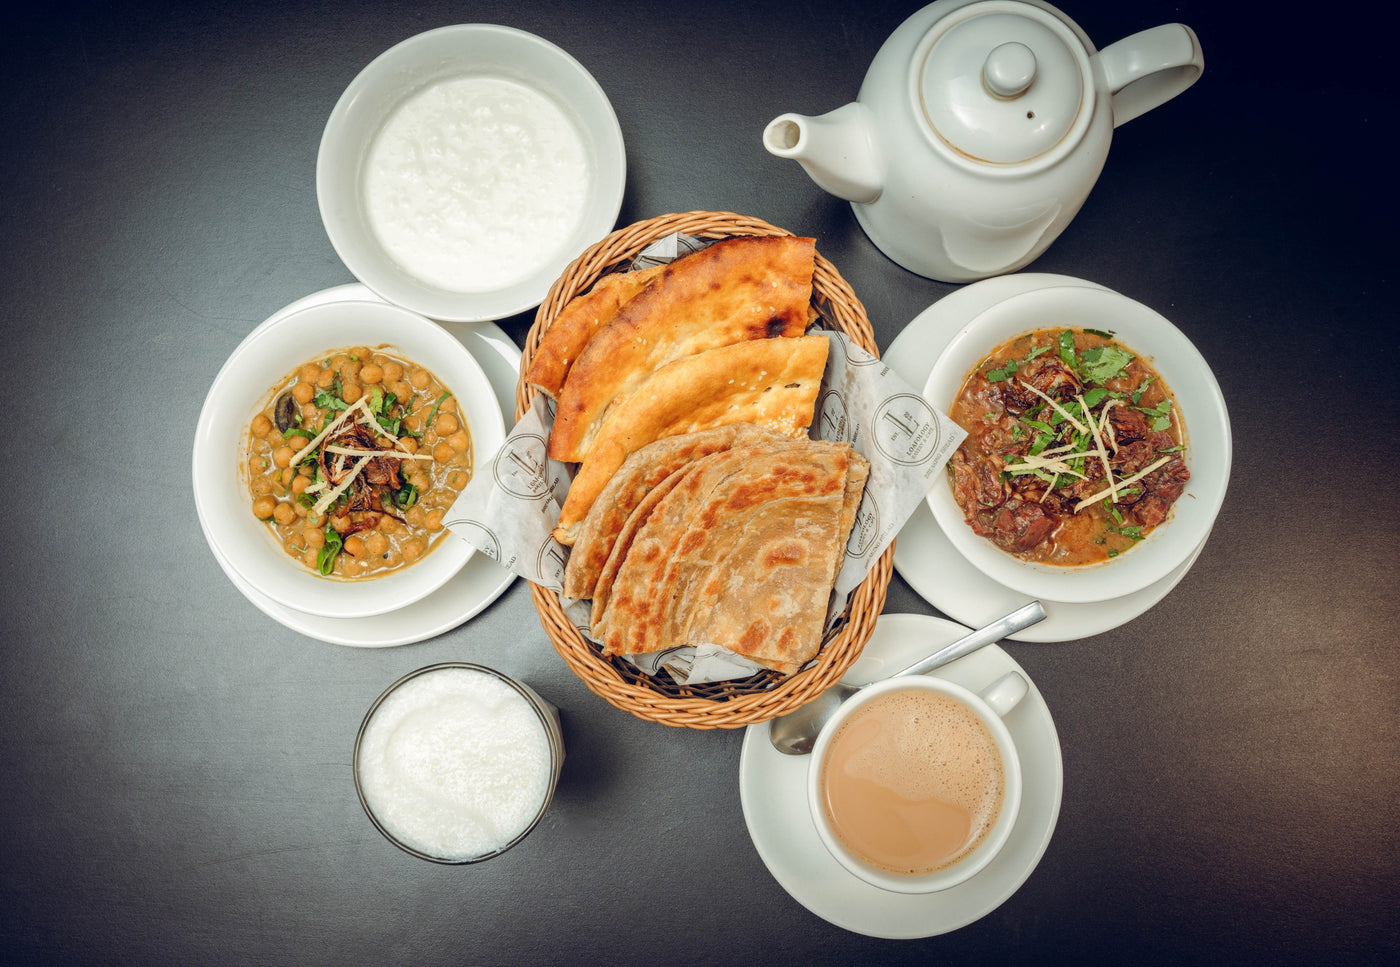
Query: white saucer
x,y
480,582
772,789
926,559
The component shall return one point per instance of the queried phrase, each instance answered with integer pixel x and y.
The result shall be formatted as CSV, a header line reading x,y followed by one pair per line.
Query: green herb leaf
x,y
1095,396
329,401
1100,333
325,557
1102,363
433,414
1066,342
1003,374
1036,351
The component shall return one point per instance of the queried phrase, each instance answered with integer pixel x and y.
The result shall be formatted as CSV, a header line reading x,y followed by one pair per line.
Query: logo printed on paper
x,y
906,429
832,417
866,528
479,536
519,467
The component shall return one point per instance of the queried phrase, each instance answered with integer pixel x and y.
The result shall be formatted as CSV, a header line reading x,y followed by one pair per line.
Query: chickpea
x,y
361,354
414,516
310,415
284,513
402,388
282,456
376,543
443,452
327,379
449,405
433,520
413,549
446,424
350,392
419,378
309,558
264,506
461,441
414,422
355,545
393,558
350,369
409,443
303,392
389,525
421,480
262,426
393,371
371,374
315,538
297,441
308,372
341,523
300,483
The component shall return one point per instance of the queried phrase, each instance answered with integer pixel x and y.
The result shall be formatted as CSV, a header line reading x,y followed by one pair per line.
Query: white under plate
x,y
925,557
773,791
480,582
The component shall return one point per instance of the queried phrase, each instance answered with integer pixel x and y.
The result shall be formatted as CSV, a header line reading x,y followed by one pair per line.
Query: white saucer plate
x,y
924,556
772,790
480,582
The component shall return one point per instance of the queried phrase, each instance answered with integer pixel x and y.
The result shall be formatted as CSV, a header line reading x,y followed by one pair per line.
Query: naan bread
x,y
740,552
735,290
769,382
578,321
634,481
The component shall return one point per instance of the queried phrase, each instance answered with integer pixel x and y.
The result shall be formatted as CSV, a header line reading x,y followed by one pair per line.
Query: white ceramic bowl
x,y
484,50
1199,404
242,386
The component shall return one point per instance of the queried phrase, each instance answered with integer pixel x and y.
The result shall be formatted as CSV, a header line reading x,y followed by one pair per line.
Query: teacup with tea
x,y
914,785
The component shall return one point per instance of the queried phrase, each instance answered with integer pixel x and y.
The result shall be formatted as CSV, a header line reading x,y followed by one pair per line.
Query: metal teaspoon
x,y
796,732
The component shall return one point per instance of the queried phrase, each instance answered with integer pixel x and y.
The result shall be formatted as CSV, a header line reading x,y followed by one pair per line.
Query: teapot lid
x,y
1003,83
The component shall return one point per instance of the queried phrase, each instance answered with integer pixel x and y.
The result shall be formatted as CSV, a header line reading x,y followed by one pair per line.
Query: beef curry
x,y
1074,448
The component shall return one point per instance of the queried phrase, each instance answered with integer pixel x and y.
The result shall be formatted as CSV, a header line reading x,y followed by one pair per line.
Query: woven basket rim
x,y
629,689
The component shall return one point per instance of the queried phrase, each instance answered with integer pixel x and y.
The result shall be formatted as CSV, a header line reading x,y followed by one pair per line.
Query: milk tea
x,y
913,782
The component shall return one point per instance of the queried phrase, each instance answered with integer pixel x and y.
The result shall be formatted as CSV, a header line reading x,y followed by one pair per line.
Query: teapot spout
x,y
836,150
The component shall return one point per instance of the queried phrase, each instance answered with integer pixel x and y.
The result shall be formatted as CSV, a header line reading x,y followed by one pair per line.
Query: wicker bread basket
x,y
658,698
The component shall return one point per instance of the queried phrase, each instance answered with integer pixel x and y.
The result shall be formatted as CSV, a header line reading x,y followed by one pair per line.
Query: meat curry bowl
x,y
1098,444
331,445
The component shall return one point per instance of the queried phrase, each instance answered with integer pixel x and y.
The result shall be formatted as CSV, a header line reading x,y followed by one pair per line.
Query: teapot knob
x,y
1009,70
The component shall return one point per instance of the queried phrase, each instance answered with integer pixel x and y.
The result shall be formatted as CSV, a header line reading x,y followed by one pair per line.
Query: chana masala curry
x,y
354,459
1074,448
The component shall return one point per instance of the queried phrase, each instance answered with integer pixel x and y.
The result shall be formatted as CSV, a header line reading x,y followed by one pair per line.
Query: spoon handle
x,y
1018,620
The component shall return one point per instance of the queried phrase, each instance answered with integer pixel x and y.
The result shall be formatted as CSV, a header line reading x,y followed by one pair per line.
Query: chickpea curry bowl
x,y
1097,449
331,447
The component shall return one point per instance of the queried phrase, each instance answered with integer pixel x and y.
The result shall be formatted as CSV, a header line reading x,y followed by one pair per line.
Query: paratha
x,y
735,290
635,480
741,552
578,321
769,382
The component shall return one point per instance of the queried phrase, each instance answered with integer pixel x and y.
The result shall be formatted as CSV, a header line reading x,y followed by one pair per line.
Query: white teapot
x,y
980,128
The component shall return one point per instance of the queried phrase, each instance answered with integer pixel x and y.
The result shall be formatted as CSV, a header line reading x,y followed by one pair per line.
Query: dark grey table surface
x,y
175,779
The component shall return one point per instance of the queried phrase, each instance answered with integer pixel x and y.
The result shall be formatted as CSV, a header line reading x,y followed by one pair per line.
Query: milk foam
x,y
455,763
473,180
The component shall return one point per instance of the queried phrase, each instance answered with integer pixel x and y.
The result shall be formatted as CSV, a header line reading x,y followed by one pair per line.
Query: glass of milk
x,y
456,762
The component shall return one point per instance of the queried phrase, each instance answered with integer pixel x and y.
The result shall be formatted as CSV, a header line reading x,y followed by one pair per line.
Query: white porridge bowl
x,y
243,387
465,167
1199,406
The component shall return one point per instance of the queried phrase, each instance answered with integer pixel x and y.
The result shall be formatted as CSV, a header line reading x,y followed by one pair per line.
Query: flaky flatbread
x,y
741,553
735,290
577,322
639,474
772,383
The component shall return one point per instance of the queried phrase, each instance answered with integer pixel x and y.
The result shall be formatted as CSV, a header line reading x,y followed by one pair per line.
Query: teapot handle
x,y
1150,68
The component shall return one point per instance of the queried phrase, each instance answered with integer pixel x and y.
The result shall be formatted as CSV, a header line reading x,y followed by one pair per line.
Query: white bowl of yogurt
x,y
457,762
464,168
